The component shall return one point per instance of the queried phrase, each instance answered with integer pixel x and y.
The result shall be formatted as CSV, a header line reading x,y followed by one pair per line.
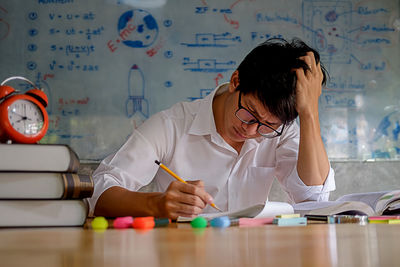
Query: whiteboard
x,y
107,65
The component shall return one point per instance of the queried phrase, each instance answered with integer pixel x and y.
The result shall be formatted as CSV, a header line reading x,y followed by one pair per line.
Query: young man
x,y
229,146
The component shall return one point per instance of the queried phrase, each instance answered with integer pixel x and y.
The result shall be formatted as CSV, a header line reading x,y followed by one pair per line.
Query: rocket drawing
x,y
137,106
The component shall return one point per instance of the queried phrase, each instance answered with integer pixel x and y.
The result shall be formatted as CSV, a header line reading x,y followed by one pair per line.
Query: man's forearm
x,y
313,163
117,201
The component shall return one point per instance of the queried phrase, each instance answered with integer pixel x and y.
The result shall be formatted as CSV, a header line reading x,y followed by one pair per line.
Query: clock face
x,y
25,117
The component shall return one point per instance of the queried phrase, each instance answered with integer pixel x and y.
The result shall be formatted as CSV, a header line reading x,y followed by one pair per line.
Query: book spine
x,y
74,161
77,186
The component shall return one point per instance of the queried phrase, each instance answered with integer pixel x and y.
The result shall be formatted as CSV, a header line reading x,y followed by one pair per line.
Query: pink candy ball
x,y
123,222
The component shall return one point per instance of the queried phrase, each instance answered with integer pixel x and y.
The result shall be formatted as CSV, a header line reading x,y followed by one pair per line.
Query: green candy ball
x,y
199,222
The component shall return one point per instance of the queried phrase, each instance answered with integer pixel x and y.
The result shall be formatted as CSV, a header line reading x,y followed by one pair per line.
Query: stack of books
x,y
40,186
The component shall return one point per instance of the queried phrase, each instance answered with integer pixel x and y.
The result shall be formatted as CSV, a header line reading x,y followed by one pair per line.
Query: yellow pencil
x,y
165,168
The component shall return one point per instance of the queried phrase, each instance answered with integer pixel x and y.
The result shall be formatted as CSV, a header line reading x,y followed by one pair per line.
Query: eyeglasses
x,y
263,129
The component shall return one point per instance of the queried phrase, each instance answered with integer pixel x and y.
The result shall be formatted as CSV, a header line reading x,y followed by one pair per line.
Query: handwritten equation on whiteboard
x,y
108,67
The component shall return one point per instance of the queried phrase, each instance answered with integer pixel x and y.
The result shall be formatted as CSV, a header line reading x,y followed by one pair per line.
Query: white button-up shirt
x,y
185,139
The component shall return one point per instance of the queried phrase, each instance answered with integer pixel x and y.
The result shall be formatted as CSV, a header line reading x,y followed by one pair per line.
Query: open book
x,y
371,204
268,209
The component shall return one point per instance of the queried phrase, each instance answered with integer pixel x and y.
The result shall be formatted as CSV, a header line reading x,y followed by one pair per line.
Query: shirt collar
x,y
203,122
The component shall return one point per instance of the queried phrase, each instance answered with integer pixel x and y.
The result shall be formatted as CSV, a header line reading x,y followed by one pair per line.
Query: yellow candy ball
x,y
99,223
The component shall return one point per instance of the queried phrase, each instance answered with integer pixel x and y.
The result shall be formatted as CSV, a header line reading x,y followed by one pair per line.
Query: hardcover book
x,y
38,157
45,185
42,213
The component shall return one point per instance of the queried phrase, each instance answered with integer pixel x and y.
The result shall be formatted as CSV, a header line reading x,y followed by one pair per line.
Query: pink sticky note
x,y
255,221
384,217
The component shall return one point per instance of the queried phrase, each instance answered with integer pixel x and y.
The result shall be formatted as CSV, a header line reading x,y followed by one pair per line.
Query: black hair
x,y
268,73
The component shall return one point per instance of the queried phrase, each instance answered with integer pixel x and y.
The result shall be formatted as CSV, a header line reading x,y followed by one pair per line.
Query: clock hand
x,y
24,119
17,113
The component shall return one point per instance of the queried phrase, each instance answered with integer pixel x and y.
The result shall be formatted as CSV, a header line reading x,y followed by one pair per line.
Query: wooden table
x,y
179,245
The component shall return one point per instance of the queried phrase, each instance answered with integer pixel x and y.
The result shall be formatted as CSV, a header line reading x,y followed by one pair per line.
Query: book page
x,y
332,208
385,201
269,209
370,198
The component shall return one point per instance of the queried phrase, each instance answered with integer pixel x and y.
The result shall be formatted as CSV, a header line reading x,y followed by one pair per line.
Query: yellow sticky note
x,y
377,221
287,216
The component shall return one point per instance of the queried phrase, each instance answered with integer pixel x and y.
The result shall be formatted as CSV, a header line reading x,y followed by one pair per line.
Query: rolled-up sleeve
x,y
132,166
286,172
103,180
298,191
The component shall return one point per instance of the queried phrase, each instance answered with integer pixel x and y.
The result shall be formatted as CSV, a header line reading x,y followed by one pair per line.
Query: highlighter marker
x,y
160,222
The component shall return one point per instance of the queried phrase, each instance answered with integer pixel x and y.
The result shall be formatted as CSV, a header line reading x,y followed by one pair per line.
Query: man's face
x,y
244,114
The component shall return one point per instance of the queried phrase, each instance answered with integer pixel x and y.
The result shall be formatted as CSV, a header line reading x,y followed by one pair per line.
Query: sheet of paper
x,y
269,209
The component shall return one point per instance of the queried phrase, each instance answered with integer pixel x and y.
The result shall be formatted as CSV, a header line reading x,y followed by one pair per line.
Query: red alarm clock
x,y
23,117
